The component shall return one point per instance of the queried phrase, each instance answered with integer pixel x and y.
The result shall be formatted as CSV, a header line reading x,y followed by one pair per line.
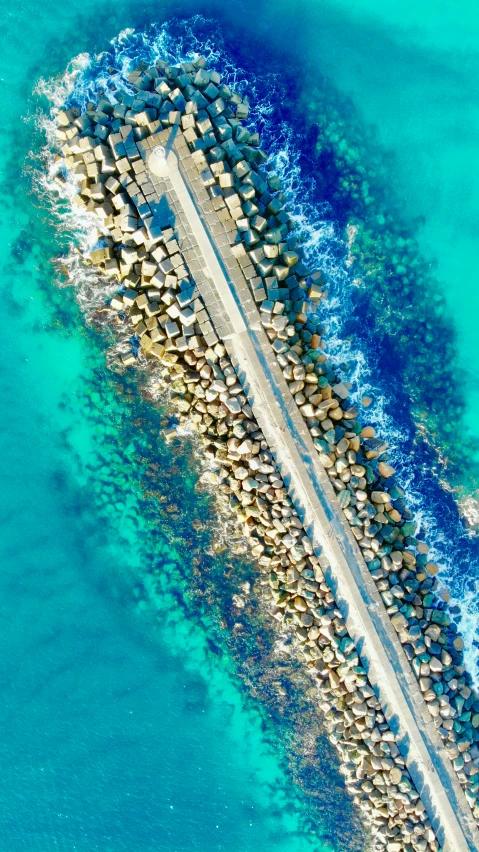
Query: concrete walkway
x,y
236,319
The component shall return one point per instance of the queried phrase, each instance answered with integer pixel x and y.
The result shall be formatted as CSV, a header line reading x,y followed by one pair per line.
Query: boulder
x,y
399,622
380,497
386,470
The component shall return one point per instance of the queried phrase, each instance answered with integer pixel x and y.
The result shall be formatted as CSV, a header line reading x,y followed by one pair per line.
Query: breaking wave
x,y
448,524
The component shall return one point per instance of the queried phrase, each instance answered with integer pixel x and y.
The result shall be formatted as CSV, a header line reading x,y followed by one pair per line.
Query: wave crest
x,y
453,542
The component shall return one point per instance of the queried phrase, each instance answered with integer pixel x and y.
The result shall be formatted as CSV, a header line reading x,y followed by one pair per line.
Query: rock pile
x,y
106,148
398,283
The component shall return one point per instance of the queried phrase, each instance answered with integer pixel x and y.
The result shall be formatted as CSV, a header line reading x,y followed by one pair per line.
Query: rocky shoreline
x,y
106,151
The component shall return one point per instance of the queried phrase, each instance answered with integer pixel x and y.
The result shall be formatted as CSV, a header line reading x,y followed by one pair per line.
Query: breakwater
x,y
214,289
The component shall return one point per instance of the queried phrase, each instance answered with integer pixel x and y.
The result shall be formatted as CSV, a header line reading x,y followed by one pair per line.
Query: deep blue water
x,y
386,320
133,715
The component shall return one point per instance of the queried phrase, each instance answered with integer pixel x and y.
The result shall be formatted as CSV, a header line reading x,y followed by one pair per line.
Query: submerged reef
x,y
403,315
164,319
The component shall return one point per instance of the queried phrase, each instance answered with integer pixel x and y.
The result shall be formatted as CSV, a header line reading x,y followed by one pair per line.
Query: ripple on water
x,y
324,154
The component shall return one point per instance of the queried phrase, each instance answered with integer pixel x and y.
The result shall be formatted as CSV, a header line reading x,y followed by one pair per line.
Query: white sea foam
x,y
325,250
469,508
322,243
59,89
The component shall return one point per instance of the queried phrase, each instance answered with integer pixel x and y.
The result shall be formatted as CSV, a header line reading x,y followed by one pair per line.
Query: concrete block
x,y
202,78
211,91
123,165
242,111
216,108
226,180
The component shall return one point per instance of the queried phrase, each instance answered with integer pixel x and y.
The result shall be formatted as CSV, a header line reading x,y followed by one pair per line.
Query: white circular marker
x,y
160,162
160,154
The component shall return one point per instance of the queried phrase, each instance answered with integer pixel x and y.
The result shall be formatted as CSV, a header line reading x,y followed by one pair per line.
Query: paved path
x,y
235,317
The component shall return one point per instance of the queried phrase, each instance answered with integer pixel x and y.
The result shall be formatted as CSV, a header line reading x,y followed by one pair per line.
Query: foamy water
x,y
453,542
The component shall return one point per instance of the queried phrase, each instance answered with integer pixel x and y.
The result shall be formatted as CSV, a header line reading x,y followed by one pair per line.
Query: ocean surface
x,y
141,709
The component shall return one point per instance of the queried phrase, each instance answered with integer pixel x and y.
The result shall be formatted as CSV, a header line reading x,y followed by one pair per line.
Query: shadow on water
x,y
174,524
212,582
397,316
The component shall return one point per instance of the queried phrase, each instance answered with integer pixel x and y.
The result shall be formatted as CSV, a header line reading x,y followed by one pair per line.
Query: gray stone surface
x,y
236,321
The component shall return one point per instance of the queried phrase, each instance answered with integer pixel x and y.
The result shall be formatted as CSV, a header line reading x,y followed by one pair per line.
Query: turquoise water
x,y
132,719
124,722
411,71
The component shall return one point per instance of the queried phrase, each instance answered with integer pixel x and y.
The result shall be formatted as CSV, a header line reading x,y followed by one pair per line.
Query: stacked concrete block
x,y
175,320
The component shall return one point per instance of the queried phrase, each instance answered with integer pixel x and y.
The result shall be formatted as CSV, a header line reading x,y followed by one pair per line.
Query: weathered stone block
x,y
216,108
172,329
242,111
202,78
211,91
178,99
